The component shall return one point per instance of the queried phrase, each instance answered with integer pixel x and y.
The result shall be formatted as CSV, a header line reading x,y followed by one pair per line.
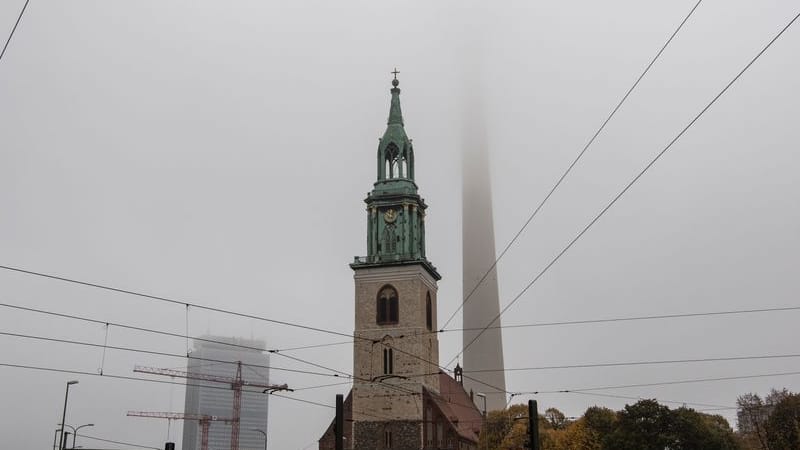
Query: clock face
x,y
390,216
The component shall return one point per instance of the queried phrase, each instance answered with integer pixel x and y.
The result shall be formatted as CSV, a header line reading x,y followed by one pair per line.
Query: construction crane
x,y
205,421
236,383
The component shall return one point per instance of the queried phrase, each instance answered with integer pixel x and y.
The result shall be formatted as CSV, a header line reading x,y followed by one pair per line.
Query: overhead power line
x,y
336,372
218,310
631,318
160,353
165,333
660,383
294,358
640,363
629,397
308,388
627,187
569,168
175,301
110,441
540,324
674,402
129,378
14,29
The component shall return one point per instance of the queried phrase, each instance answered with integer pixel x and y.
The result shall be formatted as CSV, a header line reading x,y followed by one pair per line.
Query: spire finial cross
x,y
395,72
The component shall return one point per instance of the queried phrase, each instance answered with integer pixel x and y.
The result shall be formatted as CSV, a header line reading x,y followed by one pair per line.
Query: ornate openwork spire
x,y
395,211
395,153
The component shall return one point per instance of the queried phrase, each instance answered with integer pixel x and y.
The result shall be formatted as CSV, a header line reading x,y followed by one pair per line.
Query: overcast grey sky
x,y
219,153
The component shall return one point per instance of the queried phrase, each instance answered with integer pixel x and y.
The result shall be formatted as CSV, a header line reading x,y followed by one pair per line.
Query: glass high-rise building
x,y
216,399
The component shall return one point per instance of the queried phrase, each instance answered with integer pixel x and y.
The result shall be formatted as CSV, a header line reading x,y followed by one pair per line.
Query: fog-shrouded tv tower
x,y
485,353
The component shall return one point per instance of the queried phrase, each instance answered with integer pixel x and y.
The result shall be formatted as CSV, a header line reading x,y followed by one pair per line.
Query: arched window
x,y
388,308
388,361
429,427
389,238
387,438
428,312
395,164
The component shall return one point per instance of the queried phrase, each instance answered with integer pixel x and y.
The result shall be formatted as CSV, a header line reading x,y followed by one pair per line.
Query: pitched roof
x,y
454,404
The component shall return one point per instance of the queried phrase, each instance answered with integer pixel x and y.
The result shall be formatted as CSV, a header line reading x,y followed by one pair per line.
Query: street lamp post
x,y
75,433
483,396
265,436
66,439
64,415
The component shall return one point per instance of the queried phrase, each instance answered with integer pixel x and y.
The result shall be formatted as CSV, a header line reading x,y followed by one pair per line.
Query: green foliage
x,y
754,416
574,436
601,420
783,425
497,430
556,418
693,430
645,425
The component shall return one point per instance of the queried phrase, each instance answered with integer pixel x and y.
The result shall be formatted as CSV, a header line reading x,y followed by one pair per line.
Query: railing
x,y
373,259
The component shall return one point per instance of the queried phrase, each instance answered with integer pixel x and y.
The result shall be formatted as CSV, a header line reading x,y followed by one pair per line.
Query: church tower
x,y
396,350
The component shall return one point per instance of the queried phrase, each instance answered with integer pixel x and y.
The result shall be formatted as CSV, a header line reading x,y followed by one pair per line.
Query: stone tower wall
x,y
415,348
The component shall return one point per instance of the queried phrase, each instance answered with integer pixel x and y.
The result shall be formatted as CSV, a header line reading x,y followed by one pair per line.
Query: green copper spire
x,y
395,211
395,114
395,152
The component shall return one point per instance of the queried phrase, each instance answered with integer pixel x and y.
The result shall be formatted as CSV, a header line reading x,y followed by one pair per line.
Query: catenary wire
x,y
629,397
110,441
158,353
336,374
578,391
174,301
538,324
177,355
308,388
161,332
208,308
631,318
507,326
183,336
628,186
14,29
640,363
304,347
660,383
570,167
129,378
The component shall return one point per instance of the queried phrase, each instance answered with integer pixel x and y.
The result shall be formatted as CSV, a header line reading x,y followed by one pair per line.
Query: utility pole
x,y
533,425
338,428
61,443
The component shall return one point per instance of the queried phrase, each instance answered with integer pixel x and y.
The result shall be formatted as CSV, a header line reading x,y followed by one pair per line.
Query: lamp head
x,y
72,382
